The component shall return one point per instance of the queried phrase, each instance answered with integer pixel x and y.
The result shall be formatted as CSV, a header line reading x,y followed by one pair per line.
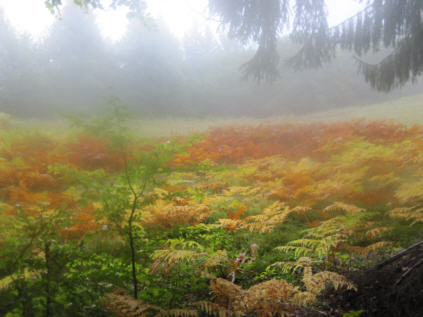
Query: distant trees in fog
x,y
74,70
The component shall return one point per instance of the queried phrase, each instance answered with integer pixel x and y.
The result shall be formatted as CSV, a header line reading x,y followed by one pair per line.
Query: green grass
x,y
406,110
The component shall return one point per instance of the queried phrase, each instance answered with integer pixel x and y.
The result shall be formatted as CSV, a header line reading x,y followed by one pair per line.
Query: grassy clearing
x,y
405,110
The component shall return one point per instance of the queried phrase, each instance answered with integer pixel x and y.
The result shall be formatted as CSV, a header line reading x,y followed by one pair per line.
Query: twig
x,y
398,255
404,275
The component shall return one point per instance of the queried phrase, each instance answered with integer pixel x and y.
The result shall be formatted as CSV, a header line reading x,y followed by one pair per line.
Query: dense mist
x,y
74,69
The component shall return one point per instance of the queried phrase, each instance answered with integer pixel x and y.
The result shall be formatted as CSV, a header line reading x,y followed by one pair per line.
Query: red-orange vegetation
x,y
314,223
34,150
174,188
89,152
292,141
237,214
27,185
84,221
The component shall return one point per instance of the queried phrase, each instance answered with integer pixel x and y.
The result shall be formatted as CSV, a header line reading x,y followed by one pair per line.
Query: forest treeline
x,y
73,69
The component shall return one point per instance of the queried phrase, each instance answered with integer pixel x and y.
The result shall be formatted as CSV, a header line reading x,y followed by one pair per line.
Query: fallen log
x,y
399,255
393,287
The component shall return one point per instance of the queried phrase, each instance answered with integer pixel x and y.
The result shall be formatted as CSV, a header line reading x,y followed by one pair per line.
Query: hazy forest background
x,y
74,69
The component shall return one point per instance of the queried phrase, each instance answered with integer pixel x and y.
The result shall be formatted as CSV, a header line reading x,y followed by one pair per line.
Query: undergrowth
x,y
256,220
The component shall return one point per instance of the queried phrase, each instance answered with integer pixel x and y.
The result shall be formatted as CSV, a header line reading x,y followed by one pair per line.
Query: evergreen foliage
x,y
394,24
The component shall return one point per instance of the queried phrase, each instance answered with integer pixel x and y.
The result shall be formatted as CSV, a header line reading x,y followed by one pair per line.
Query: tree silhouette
x,y
394,24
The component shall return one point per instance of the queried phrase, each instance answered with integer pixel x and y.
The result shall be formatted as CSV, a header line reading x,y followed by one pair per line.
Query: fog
x,y
75,69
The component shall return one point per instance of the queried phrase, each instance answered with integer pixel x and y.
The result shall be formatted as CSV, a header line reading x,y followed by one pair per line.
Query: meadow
x,y
107,216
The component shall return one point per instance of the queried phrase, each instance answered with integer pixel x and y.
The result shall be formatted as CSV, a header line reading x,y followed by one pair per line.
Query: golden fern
x,y
301,210
338,207
414,214
376,232
376,246
269,298
364,251
122,304
177,251
178,313
265,222
316,283
355,250
240,190
294,266
304,299
230,224
410,193
6,282
217,258
213,309
170,256
223,288
167,214
273,215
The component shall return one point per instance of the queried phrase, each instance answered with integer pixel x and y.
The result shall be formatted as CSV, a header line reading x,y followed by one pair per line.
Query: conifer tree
x,y
392,24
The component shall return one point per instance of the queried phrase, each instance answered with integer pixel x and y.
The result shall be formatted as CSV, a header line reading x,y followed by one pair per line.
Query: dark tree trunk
x,y
48,278
132,247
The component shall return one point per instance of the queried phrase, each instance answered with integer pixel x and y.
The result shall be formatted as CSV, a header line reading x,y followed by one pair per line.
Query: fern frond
x,y
308,243
294,266
355,249
301,210
216,258
230,224
298,251
376,232
376,246
304,299
400,213
161,193
410,193
286,266
212,309
223,288
174,256
184,244
179,313
123,304
342,207
6,282
265,222
414,214
270,298
321,280
187,252
272,216
167,214
240,190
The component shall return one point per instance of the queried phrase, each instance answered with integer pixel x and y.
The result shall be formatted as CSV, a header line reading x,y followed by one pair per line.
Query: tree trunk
x,y
47,279
132,247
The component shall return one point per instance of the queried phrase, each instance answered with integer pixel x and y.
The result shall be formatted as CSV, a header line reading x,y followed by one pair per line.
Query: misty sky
x,y
171,68
180,15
